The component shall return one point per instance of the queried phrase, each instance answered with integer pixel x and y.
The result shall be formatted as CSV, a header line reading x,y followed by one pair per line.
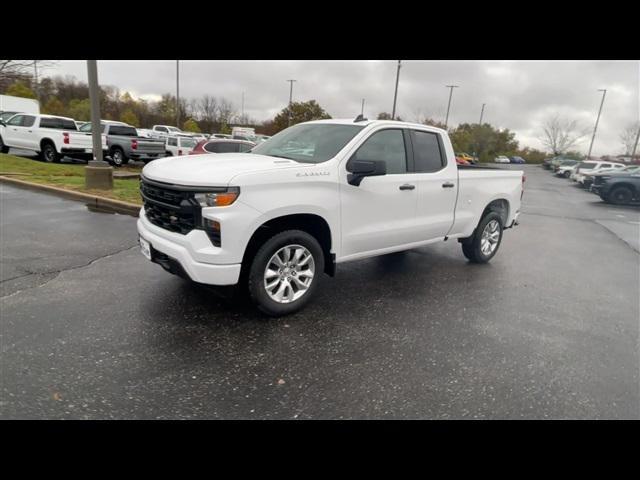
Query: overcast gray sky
x,y
519,95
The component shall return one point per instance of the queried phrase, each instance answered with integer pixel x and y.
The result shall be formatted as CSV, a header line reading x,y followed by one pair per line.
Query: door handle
x,y
448,185
406,186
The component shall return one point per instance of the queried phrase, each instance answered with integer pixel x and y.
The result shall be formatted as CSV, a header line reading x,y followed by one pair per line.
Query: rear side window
x,y
50,122
68,124
162,129
427,154
28,121
123,130
386,145
221,147
605,165
173,142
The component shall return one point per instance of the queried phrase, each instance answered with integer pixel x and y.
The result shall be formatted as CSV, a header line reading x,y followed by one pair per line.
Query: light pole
x,y
635,146
178,93
482,113
450,87
35,78
98,173
362,109
604,93
290,97
395,95
242,109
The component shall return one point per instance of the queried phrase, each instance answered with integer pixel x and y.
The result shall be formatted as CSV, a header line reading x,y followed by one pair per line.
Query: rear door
x,y
437,184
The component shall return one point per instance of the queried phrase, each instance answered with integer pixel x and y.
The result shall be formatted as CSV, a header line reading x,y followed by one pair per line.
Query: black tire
x,y
168,154
49,153
118,157
621,195
566,174
472,246
3,147
260,261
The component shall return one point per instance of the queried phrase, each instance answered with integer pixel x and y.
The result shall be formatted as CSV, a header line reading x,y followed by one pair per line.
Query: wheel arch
x,y
312,223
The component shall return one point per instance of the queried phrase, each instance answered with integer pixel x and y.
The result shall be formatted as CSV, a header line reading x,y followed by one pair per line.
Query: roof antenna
x,y
360,118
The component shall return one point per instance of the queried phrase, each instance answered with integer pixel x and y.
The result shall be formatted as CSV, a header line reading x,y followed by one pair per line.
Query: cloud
x,y
519,95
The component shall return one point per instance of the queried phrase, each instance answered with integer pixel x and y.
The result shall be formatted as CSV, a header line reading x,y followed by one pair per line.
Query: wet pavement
x,y
548,329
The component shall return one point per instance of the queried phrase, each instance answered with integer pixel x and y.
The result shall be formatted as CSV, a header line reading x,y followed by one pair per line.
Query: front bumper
x,y
177,259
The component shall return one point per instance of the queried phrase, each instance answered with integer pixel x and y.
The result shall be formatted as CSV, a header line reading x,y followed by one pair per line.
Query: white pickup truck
x,y
316,195
52,137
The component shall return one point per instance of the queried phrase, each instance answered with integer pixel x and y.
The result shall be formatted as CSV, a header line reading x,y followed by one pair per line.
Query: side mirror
x,y
358,169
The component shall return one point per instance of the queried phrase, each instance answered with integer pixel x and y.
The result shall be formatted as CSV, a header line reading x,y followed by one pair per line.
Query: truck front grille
x,y
169,208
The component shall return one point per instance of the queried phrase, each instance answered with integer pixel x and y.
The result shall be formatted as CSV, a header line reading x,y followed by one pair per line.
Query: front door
x,y
380,212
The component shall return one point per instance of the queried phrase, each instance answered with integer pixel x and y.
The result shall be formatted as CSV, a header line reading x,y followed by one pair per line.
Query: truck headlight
x,y
218,199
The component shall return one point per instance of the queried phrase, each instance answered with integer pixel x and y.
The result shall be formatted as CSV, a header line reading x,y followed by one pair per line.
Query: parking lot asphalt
x,y
548,329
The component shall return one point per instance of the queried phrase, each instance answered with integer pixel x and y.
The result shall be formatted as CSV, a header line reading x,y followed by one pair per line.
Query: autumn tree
x,y
190,126
129,117
299,112
79,109
54,107
19,89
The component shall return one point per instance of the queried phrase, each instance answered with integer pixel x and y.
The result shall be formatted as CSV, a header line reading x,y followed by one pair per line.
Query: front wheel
x,y
485,241
285,272
566,174
3,147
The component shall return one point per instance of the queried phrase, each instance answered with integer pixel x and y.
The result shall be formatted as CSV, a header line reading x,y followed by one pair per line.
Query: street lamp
x,y
604,93
178,93
98,173
395,95
482,113
450,87
290,97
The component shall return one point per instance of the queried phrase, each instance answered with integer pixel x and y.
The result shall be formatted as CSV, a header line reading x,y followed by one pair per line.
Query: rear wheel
x,y
620,195
118,158
3,147
49,153
285,272
485,241
567,174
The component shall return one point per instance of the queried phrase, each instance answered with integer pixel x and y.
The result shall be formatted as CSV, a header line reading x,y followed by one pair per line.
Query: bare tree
x,y
561,134
628,137
208,107
226,111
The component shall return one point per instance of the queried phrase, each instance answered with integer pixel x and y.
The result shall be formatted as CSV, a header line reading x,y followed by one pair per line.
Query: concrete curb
x,y
91,200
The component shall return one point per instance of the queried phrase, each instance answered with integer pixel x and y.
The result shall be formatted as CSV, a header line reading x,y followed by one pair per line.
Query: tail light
x,y
65,137
179,152
134,144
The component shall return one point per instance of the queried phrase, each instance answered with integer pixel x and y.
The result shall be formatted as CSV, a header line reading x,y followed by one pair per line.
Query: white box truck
x,y
12,105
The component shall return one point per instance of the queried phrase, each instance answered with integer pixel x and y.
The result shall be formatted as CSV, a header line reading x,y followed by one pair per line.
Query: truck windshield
x,y
309,143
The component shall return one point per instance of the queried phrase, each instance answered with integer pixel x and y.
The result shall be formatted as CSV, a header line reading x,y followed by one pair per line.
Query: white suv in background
x,y
592,167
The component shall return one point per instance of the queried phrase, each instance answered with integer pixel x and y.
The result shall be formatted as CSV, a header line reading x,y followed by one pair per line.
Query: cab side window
x,y
16,120
28,120
388,146
427,154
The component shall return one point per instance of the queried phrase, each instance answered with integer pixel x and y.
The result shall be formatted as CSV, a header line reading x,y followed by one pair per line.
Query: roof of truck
x,y
366,122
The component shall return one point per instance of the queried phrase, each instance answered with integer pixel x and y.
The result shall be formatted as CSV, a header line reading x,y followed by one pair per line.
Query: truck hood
x,y
215,169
